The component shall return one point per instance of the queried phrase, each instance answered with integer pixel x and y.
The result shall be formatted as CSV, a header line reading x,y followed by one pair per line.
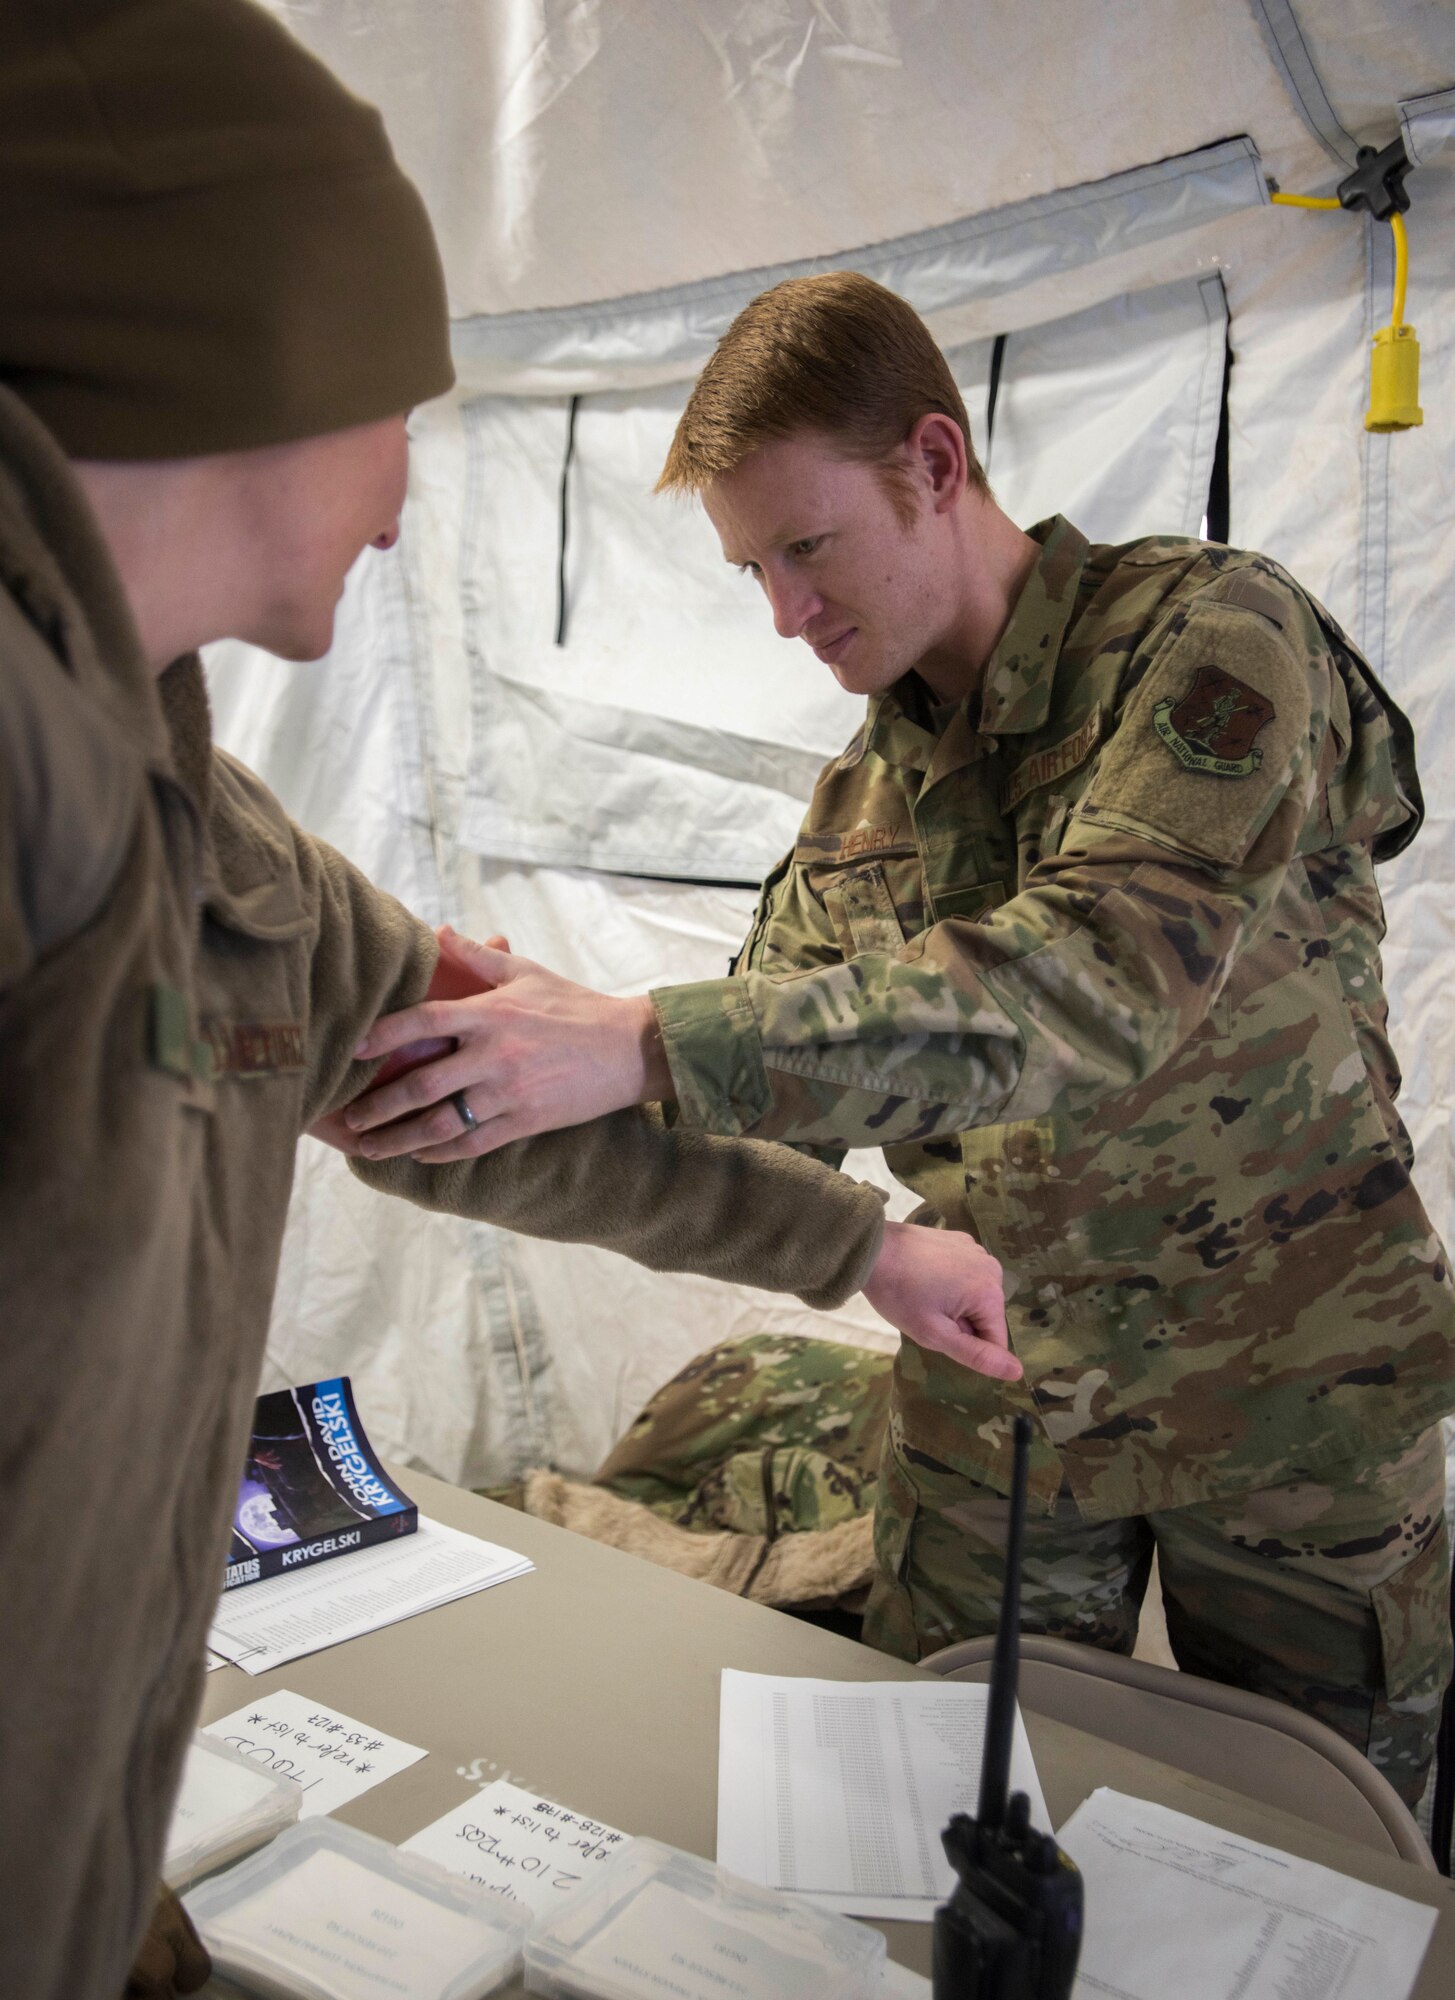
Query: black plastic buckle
x,y
1377,183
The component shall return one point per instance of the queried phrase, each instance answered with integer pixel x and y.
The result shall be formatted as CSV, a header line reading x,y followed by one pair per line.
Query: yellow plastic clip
x,y
1394,381
1394,369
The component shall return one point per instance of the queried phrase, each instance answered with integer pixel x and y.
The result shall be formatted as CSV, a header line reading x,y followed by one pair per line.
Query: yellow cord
x,y
1394,381
1401,243
1401,267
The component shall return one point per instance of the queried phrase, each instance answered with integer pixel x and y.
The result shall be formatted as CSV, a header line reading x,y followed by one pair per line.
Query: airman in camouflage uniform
x,y
754,1470
766,1434
1082,929
1098,966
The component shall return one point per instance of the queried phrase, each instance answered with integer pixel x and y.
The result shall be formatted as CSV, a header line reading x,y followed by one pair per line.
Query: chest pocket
x,y
974,900
862,910
972,874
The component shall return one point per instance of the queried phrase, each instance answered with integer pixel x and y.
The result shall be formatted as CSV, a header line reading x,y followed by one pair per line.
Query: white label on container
x,y
665,1942
339,1925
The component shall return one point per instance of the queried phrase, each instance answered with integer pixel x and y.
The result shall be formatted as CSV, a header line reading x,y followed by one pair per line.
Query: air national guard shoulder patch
x,y
1212,727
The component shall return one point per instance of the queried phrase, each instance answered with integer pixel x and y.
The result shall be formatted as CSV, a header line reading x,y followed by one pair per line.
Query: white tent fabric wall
x,y
1111,416
1364,521
660,739
592,154
476,1353
1412,636
587,150
671,734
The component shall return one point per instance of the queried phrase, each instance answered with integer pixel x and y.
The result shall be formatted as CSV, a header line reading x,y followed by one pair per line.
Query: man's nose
x,y
387,540
794,604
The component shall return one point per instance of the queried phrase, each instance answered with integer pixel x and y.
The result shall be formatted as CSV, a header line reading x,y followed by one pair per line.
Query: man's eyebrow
x,y
780,540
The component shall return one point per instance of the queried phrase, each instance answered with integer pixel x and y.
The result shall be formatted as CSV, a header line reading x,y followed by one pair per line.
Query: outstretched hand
x,y
530,1052
452,979
943,1291
171,1959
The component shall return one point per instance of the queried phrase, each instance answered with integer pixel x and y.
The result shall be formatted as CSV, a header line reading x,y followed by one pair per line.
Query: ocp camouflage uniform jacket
x,y
1099,970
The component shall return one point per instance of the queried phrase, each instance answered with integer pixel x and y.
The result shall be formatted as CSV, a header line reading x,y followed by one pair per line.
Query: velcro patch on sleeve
x,y
1214,727
1210,741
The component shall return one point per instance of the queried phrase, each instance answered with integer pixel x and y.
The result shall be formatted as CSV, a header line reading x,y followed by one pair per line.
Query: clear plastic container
x,y
656,1921
329,1913
225,1808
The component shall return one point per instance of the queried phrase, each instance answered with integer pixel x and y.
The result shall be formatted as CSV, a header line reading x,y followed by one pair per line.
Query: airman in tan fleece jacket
x,y
206,251
218,298
183,976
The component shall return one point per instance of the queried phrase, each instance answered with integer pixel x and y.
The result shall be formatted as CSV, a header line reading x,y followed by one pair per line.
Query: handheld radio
x,y
1012,1927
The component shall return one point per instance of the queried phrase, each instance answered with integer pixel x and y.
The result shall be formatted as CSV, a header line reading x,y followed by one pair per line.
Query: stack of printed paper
x,y
839,1789
1174,1907
284,1617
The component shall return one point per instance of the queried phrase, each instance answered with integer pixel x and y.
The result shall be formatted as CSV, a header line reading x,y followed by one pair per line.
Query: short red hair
x,y
837,355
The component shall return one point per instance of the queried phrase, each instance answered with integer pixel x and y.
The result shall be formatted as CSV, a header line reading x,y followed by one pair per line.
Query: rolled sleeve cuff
x,y
715,1053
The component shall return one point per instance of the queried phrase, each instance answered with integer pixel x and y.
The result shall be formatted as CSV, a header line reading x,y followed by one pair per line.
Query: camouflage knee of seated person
x,y
697,1449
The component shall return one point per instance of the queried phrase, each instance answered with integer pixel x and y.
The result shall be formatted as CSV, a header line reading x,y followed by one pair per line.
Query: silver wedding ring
x,y
468,1120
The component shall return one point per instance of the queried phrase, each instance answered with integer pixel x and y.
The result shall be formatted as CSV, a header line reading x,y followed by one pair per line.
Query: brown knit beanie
x,y
205,241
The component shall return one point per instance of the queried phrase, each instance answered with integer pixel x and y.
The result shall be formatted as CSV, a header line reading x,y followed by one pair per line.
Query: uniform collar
x,y
908,731
1016,695
901,725
183,692
55,563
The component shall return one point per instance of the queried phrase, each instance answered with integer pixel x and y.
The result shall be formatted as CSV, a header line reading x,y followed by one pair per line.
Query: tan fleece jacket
x,y
183,974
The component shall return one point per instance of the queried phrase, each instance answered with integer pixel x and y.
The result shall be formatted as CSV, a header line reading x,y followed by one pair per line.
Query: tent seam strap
x,y
1293,60
1085,194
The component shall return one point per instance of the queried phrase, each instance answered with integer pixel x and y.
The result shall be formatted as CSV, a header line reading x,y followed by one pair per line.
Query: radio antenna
x,y
1012,1927
1000,1712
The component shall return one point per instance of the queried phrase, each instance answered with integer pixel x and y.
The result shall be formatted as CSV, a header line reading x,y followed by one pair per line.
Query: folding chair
x,y
1246,1742
1442,1811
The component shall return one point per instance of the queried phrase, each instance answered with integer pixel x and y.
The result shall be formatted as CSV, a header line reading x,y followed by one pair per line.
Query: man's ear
x,y
937,447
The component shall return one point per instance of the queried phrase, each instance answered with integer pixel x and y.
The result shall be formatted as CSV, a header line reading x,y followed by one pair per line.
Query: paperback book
x,y
312,1486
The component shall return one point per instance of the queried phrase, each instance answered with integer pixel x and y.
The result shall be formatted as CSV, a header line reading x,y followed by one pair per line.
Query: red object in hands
x,y
452,980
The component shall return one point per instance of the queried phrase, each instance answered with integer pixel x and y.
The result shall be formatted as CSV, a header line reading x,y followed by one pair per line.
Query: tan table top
x,y
595,1681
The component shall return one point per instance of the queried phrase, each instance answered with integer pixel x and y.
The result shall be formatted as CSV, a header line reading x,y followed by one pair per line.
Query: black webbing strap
x,y
565,508
992,394
1219,495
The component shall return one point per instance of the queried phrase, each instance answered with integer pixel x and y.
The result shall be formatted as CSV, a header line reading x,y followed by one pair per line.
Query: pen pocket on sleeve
x,y
889,1617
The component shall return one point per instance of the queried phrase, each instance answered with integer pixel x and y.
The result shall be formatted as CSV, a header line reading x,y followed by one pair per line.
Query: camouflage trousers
x,y
1332,1597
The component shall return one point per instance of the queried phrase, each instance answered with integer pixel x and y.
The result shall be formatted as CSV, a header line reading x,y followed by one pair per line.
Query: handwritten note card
x,y
330,1755
519,1845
